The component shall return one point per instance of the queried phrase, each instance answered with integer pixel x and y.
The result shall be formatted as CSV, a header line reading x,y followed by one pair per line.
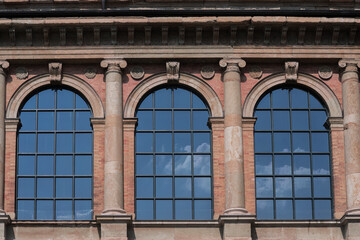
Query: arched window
x,y
54,157
173,156
292,156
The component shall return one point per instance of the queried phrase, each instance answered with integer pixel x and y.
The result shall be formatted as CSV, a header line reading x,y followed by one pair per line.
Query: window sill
x,y
297,223
54,222
177,223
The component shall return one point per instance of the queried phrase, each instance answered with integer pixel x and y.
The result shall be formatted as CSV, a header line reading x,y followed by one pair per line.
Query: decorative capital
x,y
173,71
55,71
291,71
348,61
113,64
232,64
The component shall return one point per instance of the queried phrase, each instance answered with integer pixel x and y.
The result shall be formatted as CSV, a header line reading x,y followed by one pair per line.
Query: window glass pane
x,y
83,165
320,142
65,99
197,102
181,98
300,120
281,120
144,187
64,120
303,209
314,103
299,98
45,187
27,143
321,164
264,209
64,187
284,209
200,120
83,210
45,165
318,120
262,142
164,187
282,142
64,142
26,165
202,209
300,142
144,164
46,121
182,142
263,120
183,209
26,187
182,120
163,120
25,209
145,120
144,209
83,187
164,209
322,187
301,164
45,209
282,164
322,209
280,98
163,142
63,209
64,165
83,142
147,102
47,99
144,142
302,186
183,187
31,103
264,187
182,164
163,98
80,103
27,120
201,142
82,121
263,164
202,187
264,102
45,142
202,165
283,187
163,165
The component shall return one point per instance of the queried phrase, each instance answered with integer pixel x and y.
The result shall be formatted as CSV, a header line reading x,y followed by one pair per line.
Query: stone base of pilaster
x,y
114,227
4,220
236,227
351,226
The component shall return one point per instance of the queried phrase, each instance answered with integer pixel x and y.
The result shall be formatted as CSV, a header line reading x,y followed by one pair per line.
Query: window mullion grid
x,y
273,156
73,158
311,159
173,153
154,153
54,156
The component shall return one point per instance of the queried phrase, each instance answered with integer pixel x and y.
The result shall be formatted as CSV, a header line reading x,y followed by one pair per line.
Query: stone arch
x,y
42,80
311,82
186,80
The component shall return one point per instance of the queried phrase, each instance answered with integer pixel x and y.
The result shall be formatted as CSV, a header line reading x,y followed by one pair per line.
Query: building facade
x,y
179,120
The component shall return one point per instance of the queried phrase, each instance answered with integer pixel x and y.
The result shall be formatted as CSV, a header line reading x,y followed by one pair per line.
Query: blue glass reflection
x,y
83,165
321,164
299,98
83,209
64,120
45,142
202,187
46,121
144,164
65,99
322,187
314,103
202,165
144,187
64,143
183,187
197,102
44,209
63,209
182,120
163,120
283,187
302,186
164,209
27,120
182,164
163,98
82,120
46,99
262,142
25,209
144,142
144,209
201,142
26,165
145,120
281,120
80,103
83,187
264,102
163,142
181,98
320,142
64,165
301,164
45,165
163,165
264,187
183,209
318,120
163,187
263,164
282,142
64,187
322,209
83,142
282,164
31,103
27,143
284,209
26,187
202,209
280,98
200,120
300,142
182,142
303,209
264,209
45,187
147,102
300,120
263,120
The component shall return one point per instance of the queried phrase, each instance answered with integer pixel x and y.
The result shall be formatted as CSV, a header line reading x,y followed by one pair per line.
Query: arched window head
x,y
54,157
292,156
173,156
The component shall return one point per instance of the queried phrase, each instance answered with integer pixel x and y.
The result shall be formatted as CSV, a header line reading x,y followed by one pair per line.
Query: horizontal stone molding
x,y
186,80
308,81
67,80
